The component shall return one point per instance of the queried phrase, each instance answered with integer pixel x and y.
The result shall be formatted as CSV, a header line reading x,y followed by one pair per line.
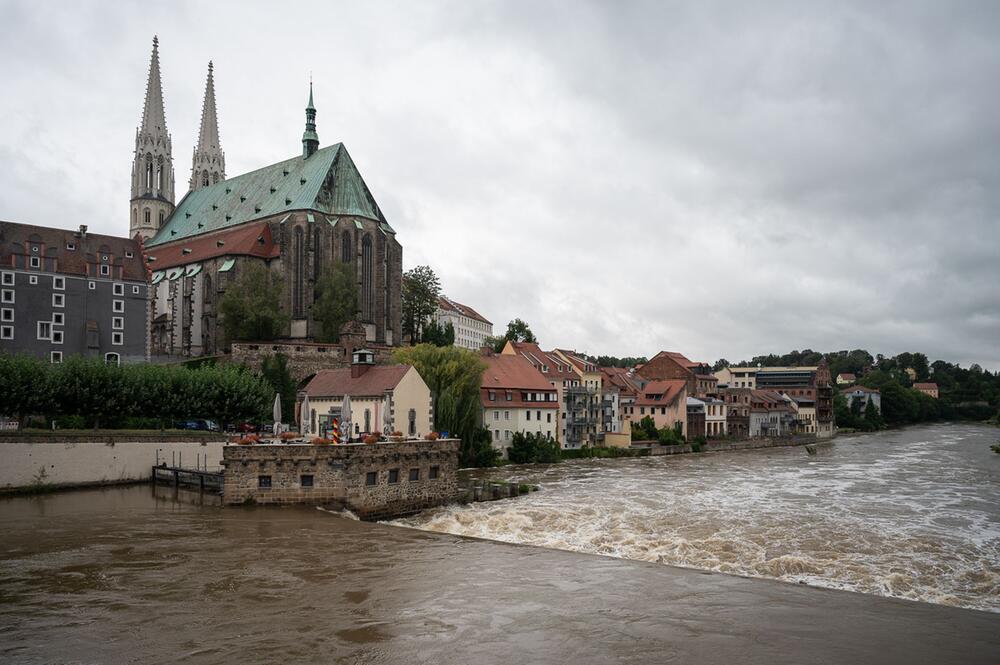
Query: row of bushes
x,y
98,394
646,430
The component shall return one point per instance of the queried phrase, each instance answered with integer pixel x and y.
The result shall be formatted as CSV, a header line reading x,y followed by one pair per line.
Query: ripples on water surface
x,y
912,513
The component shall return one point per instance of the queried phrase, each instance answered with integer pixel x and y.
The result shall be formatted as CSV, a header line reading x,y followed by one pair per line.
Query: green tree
x,y
275,371
438,335
533,448
421,289
478,451
251,305
26,386
873,418
454,376
519,331
92,389
336,301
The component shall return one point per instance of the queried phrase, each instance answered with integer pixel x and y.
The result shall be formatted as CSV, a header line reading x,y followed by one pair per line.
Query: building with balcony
x,y
515,397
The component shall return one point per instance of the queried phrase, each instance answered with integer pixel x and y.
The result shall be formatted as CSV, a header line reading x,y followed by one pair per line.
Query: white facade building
x,y
471,328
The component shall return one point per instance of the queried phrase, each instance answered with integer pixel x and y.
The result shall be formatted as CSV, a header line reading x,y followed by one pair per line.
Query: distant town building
x,y
665,402
737,401
471,327
770,414
620,382
670,365
583,406
68,293
383,397
715,417
556,371
846,379
927,389
737,377
862,395
695,418
515,397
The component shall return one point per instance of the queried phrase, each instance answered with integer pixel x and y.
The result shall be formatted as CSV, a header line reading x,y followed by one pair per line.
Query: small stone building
x,y
374,481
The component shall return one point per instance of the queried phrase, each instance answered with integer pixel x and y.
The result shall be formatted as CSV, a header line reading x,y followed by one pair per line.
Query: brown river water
x,y
912,513
152,575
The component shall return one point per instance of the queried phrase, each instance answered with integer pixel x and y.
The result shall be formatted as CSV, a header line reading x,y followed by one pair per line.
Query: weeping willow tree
x,y
454,376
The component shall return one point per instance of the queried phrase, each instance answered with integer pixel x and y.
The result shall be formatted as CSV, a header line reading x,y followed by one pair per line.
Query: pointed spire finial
x,y
209,162
310,140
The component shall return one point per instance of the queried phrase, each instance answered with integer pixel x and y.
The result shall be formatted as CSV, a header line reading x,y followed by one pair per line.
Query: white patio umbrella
x,y
345,419
276,413
387,414
305,422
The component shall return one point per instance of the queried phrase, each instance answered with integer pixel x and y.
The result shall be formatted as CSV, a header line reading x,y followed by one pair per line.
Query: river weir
x,y
911,513
161,575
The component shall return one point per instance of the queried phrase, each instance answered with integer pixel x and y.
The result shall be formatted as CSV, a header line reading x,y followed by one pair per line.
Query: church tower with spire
x,y
209,162
153,165
310,139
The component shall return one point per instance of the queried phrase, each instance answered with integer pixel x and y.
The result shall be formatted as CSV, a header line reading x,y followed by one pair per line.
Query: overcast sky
x,y
720,179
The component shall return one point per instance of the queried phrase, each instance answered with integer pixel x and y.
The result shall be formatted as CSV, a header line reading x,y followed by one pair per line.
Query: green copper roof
x,y
327,182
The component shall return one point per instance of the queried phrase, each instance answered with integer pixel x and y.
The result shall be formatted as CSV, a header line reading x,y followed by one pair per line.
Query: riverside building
x,y
68,293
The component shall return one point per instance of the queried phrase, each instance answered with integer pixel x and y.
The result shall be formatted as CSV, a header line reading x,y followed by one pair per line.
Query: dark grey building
x,y
72,292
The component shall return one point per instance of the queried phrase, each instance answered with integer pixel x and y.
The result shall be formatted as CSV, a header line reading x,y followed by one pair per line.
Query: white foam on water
x,y
912,514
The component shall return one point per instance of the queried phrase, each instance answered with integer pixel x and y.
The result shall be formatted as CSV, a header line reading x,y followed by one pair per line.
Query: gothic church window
x,y
299,258
159,174
367,277
316,254
204,178
149,172
146,216
345,247
161,218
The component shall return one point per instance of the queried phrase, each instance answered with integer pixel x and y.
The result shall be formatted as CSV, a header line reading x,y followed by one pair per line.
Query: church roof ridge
x,y
327,181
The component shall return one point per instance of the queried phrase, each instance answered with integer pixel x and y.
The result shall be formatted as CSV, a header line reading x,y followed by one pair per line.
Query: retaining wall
x,y
39,465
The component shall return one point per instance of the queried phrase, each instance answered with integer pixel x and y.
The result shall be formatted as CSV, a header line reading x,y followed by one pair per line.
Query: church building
x,y
295,217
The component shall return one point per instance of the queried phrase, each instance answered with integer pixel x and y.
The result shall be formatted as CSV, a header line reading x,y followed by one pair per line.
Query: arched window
x,y
204,178
215,178
368,420
345,247
135,216
367,278
112,359
159,173
149,172
207,286
316,253
146,216
161,218
298,270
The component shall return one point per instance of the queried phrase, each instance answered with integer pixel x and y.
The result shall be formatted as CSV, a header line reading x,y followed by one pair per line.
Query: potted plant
x,y
371,438
431,436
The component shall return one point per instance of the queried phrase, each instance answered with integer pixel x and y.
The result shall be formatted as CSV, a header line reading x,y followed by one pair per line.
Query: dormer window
x,y
70,246
493,396
128,254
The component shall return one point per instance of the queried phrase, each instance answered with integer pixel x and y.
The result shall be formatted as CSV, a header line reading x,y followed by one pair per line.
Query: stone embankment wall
x,y
31,465
300,473
722,446
307,358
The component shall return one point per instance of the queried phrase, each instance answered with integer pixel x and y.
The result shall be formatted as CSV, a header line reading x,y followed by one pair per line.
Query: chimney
x,y
83,230
361,362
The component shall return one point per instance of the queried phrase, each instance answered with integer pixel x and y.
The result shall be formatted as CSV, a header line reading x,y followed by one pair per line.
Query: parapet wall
x,y
307,358
408,476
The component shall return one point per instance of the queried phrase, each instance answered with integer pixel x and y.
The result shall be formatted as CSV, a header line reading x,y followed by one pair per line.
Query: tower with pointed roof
x,y
310,139
153,165
209,162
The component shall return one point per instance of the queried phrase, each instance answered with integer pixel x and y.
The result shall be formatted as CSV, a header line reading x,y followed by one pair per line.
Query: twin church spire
x,y
153,165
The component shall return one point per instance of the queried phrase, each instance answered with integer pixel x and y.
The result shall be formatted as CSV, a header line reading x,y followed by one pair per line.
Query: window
x,y
299,273
506,415
393,476
118,305
496,415
59,283
538,415
128,254
105,270
112,359
58,300
371,478
7,295
6,314
414,475
117,338
58,318
44,330
119,289
117,323
264,482
91,285
548,417
57,337
435,470
345,247
8,279
33,279
55,357
306,480
70,246
496,435
509,396
6,332
493,396
527,415
35,262
412,419
135,289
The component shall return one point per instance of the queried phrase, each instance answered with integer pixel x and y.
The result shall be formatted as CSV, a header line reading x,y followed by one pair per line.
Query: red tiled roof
x,y
450,305
925,386
512,372
373,383
669,390
619,376
580,363
87,252
680,359
558,368
846,376
244,240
